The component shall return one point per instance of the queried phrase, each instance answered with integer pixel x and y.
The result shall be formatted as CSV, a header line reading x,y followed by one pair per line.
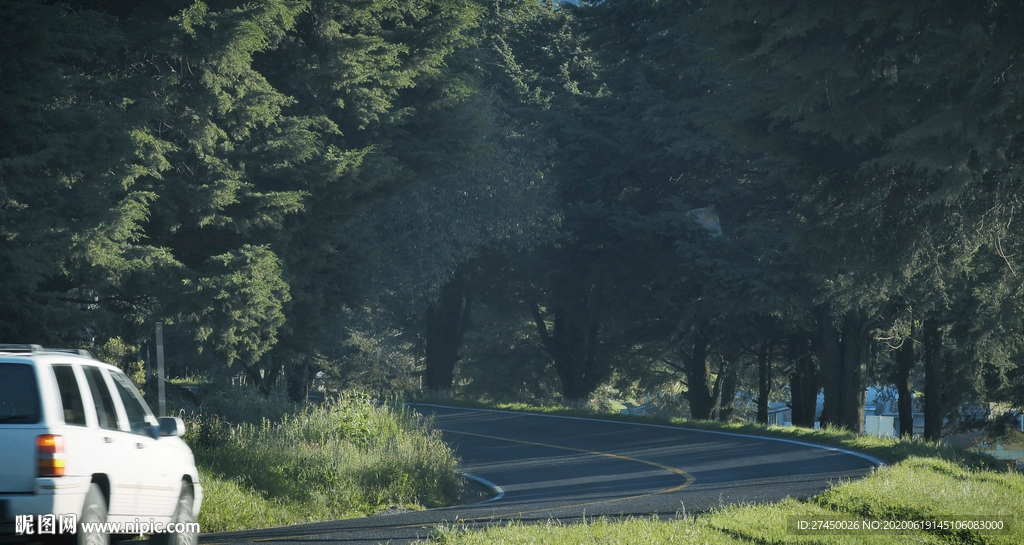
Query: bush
x,y
351,457
125,356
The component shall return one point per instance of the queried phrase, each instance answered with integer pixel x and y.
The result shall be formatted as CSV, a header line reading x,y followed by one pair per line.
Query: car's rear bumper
x,y
52,496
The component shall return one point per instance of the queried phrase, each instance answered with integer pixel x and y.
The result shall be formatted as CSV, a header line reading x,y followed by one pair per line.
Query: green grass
x,y
917,488
599,531
349,458
230,504
924,481
931,488
189,380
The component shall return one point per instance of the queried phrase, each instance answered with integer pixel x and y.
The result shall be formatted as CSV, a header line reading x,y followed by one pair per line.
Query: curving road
x,y
567,468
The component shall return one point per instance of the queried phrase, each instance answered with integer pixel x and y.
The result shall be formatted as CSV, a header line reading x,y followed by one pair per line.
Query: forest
x,y
522,200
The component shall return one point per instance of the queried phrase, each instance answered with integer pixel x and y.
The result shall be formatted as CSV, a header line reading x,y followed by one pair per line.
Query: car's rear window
x,y
19,394
70,396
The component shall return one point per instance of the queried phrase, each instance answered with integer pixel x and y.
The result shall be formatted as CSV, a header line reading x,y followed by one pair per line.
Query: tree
x,y
73,203
907,104
244,312
229,139
429,235
393,82
447,321
531,66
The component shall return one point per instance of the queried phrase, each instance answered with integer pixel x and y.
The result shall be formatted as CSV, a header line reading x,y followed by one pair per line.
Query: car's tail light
x,y
50,453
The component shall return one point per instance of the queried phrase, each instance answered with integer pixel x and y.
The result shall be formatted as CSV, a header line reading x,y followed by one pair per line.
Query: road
x,y
568,468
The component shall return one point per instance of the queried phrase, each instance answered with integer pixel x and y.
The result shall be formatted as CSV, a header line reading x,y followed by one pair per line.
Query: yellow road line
x,y
689,479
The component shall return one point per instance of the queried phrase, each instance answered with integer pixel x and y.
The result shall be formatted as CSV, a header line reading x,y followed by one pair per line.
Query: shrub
x,y
347,458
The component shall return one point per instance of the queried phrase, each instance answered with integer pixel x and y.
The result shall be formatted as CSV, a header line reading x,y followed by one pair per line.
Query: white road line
x,y
498,491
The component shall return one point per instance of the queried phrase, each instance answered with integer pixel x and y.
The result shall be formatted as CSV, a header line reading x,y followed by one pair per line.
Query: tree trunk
x,y
716,395
830,358
572,345
572,342
905,359
299,379
764,382
698,392
447,320
854,373
264,382
934,411
728,403
803,382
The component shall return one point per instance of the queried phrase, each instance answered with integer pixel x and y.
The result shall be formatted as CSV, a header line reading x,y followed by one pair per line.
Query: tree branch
x,y
102,300
673,365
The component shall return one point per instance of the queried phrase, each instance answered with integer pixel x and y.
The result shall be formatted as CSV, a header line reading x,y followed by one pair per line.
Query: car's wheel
x,y
182,514
94,511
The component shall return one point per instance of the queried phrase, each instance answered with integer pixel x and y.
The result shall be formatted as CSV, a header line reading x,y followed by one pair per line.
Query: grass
x,y
189,380
923,481
913,489
349,458
600,531
231,504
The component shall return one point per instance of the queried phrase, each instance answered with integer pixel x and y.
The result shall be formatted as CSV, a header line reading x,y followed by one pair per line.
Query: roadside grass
x,y
930,488
924,480
918,488
598,531
230,504
352,457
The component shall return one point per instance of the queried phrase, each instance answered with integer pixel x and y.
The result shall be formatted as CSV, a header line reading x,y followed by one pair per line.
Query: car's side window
x,y
139,417
19,394
105,412
70,395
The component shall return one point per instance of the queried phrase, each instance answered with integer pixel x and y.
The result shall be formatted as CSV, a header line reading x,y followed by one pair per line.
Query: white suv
x,y
77,439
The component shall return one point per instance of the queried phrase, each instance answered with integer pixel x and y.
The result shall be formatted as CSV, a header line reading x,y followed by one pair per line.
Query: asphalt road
x,y
568,468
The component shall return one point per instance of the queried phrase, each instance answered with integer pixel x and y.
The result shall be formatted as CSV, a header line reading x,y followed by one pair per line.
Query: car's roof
x,y
32,353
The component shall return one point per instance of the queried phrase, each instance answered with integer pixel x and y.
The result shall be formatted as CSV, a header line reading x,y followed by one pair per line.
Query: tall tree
x,y
220,148
73,200
907,104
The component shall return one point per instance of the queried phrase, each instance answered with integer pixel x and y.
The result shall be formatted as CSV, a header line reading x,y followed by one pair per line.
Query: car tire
x,y
182,514
94,510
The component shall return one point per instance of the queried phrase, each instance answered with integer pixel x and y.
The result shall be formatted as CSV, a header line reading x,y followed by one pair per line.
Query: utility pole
x,y
160,368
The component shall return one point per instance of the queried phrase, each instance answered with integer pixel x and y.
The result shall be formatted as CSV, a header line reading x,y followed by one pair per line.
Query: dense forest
x,y
522,200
